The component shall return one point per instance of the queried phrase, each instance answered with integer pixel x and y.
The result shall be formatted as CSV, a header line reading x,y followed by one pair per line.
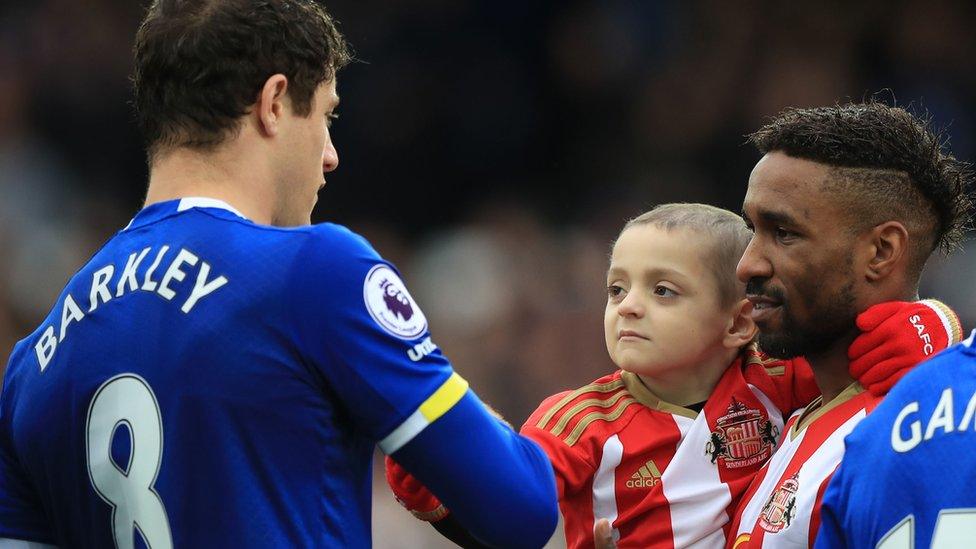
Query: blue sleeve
x,y
368,338
895,484
498,484
361,331
21,514
832,531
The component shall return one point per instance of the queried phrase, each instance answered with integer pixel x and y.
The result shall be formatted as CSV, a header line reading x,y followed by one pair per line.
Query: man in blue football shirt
x,y
220,371
908,476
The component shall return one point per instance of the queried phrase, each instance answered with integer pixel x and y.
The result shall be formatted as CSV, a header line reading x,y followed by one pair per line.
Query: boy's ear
x,y
742,329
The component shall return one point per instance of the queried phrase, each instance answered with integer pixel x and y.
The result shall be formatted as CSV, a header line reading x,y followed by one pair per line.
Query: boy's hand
x,y
603,535
413,495
897,335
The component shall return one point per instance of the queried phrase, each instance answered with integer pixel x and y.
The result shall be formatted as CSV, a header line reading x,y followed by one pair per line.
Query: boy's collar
x,y
644,395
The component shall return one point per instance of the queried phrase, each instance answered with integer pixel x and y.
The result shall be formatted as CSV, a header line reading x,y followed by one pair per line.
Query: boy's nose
x,y
631,306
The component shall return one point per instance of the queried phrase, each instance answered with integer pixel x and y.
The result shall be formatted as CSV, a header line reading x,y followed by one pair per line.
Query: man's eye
x,y
783,234
664,291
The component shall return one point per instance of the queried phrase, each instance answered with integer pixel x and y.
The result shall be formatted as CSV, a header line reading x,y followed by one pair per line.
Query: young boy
x,y
665,447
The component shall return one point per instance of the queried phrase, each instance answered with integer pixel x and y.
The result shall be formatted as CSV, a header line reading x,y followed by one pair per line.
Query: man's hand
x,y
896,336
603,535
413,495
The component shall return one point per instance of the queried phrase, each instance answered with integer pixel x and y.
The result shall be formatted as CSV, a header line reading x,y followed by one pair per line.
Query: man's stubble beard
x,y
831,319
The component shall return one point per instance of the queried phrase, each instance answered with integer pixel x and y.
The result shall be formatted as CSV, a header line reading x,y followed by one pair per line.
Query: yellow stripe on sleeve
x,y
436,405
444,398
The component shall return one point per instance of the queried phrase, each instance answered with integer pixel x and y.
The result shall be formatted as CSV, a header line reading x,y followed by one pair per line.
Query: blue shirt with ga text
x,y
908,478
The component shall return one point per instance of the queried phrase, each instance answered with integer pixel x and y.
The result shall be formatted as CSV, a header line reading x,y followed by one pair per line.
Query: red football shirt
x,y
664,475
782,505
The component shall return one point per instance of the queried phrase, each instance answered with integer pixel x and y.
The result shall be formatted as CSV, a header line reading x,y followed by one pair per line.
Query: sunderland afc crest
x,y
742,437
780,510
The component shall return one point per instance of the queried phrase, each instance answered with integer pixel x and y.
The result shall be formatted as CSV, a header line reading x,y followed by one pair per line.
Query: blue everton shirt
x,y
908,478
206,381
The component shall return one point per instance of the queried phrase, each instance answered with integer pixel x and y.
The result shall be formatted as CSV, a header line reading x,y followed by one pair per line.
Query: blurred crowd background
x,y
490,149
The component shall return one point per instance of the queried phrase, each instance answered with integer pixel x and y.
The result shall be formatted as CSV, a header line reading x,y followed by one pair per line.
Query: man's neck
x,y
183,173
831,368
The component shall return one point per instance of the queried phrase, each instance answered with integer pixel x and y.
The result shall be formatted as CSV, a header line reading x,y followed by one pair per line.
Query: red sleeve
x,y
573,469
804,385
790,383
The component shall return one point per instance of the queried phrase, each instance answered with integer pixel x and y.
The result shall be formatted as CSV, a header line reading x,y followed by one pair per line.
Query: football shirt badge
x,y
742,437
780,510
390,304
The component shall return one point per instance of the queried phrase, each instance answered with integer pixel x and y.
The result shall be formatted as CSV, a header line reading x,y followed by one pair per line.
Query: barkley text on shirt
x,y
106,286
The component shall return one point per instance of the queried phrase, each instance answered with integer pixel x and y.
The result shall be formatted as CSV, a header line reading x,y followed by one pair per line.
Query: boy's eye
x,y
331,117
664,291
614,291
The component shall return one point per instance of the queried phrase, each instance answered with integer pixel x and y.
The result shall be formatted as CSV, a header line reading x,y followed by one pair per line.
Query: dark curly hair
x,y
885,162
199,64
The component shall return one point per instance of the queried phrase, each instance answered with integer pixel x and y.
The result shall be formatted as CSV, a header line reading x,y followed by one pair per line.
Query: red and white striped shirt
x,y
782,506
664,475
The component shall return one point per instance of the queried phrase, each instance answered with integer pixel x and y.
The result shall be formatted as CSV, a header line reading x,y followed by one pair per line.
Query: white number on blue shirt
x,y
127,399
953,530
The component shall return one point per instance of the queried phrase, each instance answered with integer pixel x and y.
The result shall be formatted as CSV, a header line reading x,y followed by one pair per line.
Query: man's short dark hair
x,y
887,164
199,64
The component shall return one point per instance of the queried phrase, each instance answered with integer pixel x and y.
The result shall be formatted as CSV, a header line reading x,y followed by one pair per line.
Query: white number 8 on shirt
x,y
128,399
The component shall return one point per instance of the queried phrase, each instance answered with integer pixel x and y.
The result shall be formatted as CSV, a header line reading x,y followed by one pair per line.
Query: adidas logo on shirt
x,y
645,477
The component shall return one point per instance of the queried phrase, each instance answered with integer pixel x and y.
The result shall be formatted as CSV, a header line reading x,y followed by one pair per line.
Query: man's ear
x,y
887,248
742,329
270,104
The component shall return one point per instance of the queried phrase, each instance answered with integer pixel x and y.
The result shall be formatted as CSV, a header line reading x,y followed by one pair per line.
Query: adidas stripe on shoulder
x,y
569,418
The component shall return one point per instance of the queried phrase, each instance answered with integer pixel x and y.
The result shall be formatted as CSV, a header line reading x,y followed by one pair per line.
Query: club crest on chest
x,y
742,437
780,509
